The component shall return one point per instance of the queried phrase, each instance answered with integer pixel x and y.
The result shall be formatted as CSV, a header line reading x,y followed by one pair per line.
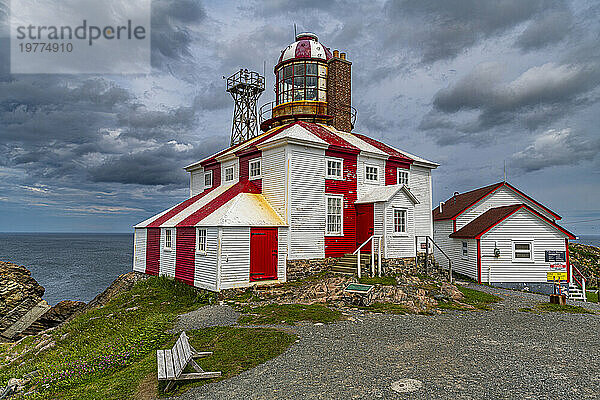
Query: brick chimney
x,y
339,91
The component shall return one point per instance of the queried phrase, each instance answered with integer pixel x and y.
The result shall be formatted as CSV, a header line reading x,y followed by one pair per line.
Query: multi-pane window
x,y
465,250
208,179
399,221
334,169
334,215
371,173
301,80
228,174
402,177
254,167
522,251
168,239
202,240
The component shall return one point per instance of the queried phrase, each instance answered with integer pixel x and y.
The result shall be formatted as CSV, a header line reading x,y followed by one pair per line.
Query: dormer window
x,y
402,177
228,174
371,174
254,167
208,181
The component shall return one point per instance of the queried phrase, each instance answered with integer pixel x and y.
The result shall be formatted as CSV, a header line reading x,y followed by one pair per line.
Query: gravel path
x,y
217,315
498,354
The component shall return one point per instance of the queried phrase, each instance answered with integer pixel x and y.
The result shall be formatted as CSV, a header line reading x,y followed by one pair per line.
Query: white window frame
x,y
336,160
327,231
367,180
201,244
465,250
400,233
168,239
225,170
514,251
402,171
255,161
208,173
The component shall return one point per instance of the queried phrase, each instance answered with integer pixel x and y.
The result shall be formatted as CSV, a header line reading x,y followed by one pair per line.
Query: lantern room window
x,y
301,80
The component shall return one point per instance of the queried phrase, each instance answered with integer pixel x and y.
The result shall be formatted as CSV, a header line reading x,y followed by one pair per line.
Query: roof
x,y
492,217
459,203
385,193
319,135
306,46
238,204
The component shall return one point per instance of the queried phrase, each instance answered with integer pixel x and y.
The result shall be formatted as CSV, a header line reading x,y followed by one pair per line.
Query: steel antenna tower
x,y
245,88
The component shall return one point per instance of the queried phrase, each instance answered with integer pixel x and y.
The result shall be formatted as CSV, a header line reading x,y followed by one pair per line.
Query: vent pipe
x,y
441,204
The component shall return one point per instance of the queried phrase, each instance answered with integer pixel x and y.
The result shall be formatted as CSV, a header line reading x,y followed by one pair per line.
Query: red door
x,y
263,253
364,225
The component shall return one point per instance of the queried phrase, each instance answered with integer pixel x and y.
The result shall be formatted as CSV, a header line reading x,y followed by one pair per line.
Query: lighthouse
x,y
311,84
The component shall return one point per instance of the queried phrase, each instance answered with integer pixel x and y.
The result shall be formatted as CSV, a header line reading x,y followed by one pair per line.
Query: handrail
x,y
298,108
427,239
580,283
357,251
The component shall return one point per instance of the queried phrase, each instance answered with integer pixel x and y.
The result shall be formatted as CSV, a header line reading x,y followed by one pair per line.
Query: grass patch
x,y
378,280
592,297
235,350
273,314
389,308
476,298
106,352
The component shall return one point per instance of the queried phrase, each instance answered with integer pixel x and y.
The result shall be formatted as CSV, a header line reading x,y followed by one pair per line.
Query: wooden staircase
x,y
347,264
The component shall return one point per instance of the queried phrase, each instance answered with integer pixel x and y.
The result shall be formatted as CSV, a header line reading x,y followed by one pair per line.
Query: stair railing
x,y
427,241
580,282
379,245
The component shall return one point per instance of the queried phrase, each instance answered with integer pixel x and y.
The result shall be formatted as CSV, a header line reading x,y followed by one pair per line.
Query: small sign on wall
x,y
556,276
555,256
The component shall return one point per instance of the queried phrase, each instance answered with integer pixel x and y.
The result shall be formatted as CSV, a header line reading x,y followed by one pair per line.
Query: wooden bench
x,y
172,362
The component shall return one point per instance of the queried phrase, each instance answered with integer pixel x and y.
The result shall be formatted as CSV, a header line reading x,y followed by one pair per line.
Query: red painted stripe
x,y
385,148
555,215
217,202
328,136
152,251
185,255
568,260
478,261
337,246
176,210
454,224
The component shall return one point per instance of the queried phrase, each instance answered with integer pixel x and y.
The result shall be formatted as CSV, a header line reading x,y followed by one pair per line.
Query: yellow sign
x,y
556,276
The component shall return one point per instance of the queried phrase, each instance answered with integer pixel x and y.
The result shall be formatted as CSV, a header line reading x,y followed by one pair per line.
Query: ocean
x,y
71,266
592,240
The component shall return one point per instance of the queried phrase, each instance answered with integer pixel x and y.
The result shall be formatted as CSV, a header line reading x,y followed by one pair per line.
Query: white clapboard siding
x,y
274,181
420,186
235,257
504,196
282,249
307,203
399,244
441,231
520,226
167,257
464,265
196,182
236,171
139,250
362,185
205,271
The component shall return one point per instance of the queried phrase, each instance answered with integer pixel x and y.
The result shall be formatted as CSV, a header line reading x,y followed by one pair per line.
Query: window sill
x,y
201,253
522,260
397,234
167,248
335,178
334,234
372,182
255,177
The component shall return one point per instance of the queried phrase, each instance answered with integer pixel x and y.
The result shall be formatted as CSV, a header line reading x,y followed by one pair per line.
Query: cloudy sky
x,y
470,84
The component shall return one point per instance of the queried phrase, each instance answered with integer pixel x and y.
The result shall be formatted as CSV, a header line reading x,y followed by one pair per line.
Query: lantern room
x,y
311,84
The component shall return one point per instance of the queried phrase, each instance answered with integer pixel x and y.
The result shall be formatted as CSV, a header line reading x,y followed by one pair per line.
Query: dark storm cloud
x,y
213,97
536,98
160,166
441,30
550,28
557,147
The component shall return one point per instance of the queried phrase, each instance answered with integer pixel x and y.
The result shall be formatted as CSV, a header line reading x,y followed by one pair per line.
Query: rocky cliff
x,y
587,260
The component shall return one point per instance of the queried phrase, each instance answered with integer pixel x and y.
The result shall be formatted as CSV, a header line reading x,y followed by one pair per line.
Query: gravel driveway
x,y
498,354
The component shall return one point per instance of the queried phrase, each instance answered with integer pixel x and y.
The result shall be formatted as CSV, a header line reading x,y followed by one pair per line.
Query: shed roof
x,y
385,193
492,217
456,205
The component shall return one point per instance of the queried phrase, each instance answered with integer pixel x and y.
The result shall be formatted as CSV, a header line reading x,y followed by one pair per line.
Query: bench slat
x,y
199,375
182,358
160,358
169,364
